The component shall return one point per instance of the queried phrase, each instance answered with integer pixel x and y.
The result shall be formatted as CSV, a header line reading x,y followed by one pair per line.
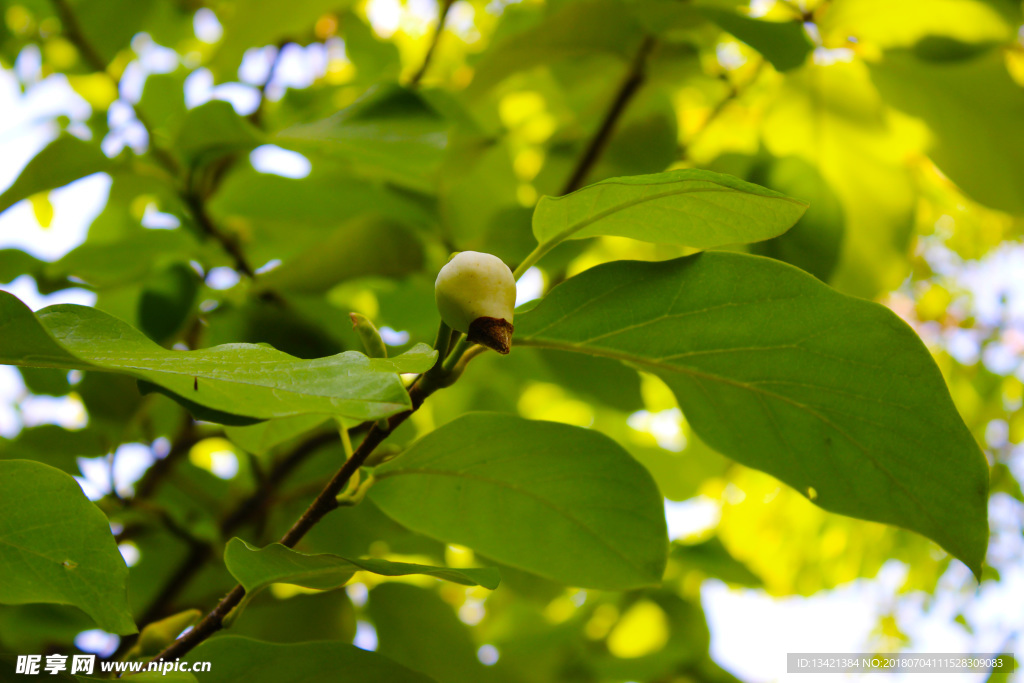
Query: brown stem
x,y
324,503
634,79
438,30
229,244
73,30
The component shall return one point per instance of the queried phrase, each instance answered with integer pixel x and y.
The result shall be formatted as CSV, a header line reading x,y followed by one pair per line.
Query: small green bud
x,y
369,335
476,294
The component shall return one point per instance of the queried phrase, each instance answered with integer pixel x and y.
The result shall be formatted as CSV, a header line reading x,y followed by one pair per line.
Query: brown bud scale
x,y
494,333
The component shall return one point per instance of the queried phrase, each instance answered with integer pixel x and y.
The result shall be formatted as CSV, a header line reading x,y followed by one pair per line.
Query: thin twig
x,y
183,442
735,91
256,117
435,39
634,79
74,32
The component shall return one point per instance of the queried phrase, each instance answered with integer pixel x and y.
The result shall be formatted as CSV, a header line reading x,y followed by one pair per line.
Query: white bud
x,y
476,294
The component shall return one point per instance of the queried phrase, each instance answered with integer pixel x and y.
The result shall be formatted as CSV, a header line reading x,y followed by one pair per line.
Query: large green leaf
x,y
238,379
974,109
560,501
64,160
254,661
257,568
833,395
689,207
56,546
783,43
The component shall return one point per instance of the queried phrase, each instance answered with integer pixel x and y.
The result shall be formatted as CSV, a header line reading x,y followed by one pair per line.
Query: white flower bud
x,y
476,294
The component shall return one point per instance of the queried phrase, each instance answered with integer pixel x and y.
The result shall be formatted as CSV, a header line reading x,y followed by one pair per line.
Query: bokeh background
x,y
902,123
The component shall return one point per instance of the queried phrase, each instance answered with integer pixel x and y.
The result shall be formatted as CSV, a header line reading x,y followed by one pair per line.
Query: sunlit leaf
x,y
974,110
695,208
833,118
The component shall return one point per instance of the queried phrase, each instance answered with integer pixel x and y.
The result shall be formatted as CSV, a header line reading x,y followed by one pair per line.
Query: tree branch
x,y
634,79
435,39
323,504
227,243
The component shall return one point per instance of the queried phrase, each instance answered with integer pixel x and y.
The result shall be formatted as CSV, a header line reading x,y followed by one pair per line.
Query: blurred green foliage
x,y
899,123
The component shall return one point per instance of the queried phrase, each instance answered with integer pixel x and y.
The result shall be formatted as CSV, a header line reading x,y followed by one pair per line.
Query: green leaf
x,y
286,217
256,568
785,44
389,133
212,130
64,160
375,60
159,634
815,242
166,301
162,104
974,110
14,263
689,207
110,25
713,559
254,661
240,379
445,651
833,395
56,546
492,482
